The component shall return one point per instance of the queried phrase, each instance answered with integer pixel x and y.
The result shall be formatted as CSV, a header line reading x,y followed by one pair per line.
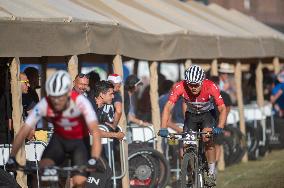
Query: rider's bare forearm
x,y
19,140
166,114
96,147
223,116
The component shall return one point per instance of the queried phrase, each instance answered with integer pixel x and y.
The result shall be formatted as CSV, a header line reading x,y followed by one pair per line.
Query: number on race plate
x,y
49,175
190,139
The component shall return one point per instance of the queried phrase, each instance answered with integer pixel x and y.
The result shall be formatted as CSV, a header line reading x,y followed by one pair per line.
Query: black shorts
x,y
78,150
195,121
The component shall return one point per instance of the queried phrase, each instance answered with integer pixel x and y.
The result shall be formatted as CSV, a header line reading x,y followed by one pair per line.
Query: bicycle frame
x,y
193,148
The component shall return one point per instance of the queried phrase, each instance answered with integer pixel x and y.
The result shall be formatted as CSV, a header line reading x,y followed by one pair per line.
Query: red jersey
x,y
197,103
70,123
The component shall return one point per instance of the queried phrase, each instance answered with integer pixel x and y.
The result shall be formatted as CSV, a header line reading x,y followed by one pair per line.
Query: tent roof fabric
x,y
150,30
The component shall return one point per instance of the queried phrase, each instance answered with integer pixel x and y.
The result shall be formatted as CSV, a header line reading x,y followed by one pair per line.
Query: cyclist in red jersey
x,y
197,93
73,118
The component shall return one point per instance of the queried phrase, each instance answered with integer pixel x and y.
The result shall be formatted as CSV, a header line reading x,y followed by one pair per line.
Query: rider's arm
x,y
90,117
96,146
20,138
34,116
222,116
166,114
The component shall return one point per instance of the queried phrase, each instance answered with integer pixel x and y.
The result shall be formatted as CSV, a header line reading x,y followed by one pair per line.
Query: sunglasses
x,y
81,75
193,85
25,81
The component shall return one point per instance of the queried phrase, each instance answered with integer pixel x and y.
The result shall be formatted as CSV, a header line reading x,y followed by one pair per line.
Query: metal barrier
x,y
148,134
110,155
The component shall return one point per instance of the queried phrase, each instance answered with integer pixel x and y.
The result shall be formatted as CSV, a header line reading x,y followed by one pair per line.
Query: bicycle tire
x,y
145,163
189,161
161,165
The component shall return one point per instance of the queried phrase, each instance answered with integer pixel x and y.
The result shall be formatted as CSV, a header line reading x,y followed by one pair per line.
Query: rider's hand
x,y
11,164
163,132
97,165
217,130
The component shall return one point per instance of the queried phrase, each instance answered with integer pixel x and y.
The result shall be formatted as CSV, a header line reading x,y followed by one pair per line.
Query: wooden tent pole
x,y
73,66
214,68
154,97
276,65
17,116
187,64
238,80
136,65
118,69
259,84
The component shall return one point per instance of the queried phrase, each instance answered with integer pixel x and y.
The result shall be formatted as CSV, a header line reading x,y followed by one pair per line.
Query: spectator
x,y
177,114
28,101
132,84
116,80
277,95
226,81
104,108
6,132
94,77
33,77
81,84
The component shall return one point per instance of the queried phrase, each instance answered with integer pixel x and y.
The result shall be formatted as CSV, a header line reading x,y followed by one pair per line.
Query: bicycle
x,y
194,163
51,176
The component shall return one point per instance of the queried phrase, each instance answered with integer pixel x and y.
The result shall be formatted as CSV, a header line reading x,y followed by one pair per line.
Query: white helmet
x,y
194,74
58,84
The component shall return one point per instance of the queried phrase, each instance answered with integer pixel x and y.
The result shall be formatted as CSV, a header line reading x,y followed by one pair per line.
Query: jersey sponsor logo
x,y
66,123
93,180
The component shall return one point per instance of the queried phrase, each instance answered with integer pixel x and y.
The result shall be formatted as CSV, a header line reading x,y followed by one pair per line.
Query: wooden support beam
x,y
276,65
259,84
187,64
118,69
154,97
72,66
17,116
238,80
214,68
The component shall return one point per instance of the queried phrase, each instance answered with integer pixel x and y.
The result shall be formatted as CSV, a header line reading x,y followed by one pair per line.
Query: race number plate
x,y
49,175
190,139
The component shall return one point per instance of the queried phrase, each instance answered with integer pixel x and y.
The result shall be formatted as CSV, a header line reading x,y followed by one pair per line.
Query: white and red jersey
x,y
197,103
69,124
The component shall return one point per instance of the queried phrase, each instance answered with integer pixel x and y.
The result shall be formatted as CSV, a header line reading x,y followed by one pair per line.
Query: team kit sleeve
x,y
85,106
175,93
215,92
37,113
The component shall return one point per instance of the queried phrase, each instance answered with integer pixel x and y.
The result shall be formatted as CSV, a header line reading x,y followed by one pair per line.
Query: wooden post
x,y
17,116
276,65
238,80
259,84
187,64
214,68
73,66
154,97
118,69
136,65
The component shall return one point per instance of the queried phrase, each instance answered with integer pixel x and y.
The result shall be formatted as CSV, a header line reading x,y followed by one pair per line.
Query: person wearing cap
x,y
277,95
116,80
131,86
226,84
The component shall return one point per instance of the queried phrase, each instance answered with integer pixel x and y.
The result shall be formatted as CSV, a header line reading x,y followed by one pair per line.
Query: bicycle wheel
x,y
189,171
142,170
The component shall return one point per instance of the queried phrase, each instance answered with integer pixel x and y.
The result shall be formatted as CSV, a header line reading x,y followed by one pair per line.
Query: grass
x,y
264,173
